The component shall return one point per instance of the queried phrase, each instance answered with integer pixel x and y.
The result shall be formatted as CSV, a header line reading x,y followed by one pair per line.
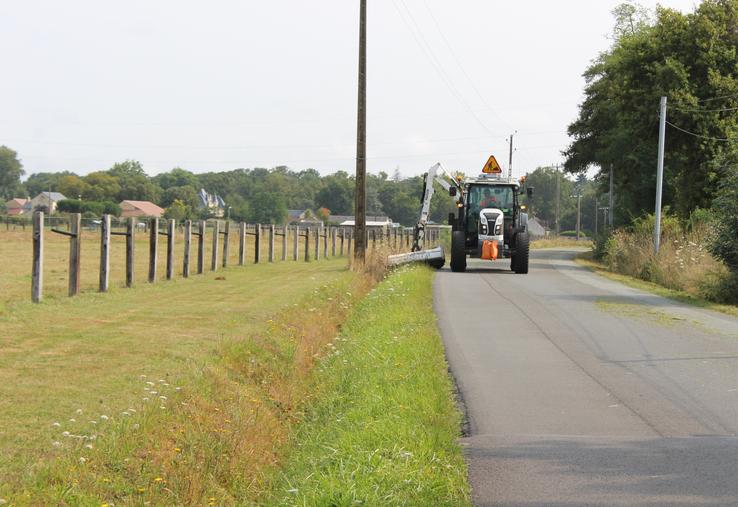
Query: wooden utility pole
x,y
360,206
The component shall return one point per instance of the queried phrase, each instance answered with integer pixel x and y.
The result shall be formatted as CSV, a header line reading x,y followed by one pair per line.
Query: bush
x,y
89,208
573,234
723,243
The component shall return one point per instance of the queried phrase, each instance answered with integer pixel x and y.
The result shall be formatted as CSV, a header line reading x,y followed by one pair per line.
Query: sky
x,y
220,85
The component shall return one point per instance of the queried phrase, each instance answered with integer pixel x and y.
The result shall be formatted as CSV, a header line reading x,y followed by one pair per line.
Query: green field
x,y
16,250
199,391
87,353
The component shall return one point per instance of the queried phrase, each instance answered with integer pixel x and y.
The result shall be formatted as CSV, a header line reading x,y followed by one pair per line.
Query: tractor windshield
x,y
486,196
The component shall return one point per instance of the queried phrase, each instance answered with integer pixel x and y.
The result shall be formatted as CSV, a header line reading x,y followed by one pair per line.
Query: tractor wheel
x,y
458,252
522,251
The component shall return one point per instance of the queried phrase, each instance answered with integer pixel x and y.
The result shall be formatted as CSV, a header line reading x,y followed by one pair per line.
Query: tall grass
x,y
683,262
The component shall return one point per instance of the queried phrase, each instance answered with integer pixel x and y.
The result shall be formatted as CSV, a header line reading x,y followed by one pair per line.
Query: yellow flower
x,y
158,479
177,449
141,490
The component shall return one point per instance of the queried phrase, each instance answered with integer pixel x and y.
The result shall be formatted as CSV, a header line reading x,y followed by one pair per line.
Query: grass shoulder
x,y
383,428
585,259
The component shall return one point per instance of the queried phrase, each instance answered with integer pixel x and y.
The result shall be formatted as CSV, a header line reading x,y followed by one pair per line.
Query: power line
x,y
458,63
683,110
709,99
721,139
427,50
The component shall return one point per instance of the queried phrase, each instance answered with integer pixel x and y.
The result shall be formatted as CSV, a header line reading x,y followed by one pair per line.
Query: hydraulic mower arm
x,y
438,174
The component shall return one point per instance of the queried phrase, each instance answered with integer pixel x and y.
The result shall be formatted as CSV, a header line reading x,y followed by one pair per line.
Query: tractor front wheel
x,y
522,251
458,252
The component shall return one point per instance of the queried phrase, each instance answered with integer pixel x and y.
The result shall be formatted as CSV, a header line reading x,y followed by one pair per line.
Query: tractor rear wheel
x,y
522,252
458,252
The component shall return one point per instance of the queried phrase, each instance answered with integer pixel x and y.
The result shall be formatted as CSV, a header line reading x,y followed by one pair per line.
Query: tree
x,y
101,186
177,177
178,211
186,194
11,171
268,208
691,60
72,186
134,183
337,194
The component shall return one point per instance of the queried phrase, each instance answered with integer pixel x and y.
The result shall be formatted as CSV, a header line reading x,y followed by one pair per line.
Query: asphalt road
x,y
580,391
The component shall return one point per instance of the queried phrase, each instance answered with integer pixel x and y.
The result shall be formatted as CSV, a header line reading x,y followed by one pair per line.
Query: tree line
x,y
256,195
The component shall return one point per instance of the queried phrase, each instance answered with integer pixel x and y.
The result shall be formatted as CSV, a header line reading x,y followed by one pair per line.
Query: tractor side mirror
x,y
452,191
529,192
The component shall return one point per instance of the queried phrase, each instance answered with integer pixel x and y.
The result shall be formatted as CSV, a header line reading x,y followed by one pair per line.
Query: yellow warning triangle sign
x,y
492,167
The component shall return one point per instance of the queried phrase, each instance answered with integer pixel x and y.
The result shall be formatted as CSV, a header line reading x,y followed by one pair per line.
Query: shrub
x,y
724,242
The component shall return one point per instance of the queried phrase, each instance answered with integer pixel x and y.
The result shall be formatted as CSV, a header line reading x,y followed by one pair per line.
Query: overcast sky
x,y
225,84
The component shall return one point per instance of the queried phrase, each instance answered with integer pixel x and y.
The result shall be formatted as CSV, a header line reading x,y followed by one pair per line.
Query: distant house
x,y
371,221
17,206
44,200
535,229
302,216
140,209
212,202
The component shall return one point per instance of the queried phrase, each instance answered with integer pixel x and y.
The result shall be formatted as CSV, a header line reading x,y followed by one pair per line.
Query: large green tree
x,y
689,58
11,171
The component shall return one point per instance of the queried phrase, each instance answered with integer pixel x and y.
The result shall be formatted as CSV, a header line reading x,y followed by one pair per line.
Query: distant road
x,y
581,391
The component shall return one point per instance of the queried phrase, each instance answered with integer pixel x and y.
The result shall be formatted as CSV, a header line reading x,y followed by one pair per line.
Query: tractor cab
x,y
490,218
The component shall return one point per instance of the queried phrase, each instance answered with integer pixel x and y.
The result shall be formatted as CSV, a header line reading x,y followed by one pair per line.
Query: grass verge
x,y
179,393
585,259
383,425
560,242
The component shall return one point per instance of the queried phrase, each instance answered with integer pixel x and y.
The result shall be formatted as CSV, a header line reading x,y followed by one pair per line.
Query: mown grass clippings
x,y
382,428
560,242
586,260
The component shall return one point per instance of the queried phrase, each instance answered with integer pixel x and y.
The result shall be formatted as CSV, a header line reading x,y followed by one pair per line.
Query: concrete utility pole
x,y
611,200
509,163
659,176
579,211
558,196
597,212
360,205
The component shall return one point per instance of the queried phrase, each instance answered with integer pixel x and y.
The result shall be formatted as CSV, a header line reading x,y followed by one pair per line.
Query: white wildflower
x,y
56,425
104,417
136,426
79,411
145,399
66,434
88,446
56,444
82,460
93,422
73,420
150,383
162,398
142,377
125,413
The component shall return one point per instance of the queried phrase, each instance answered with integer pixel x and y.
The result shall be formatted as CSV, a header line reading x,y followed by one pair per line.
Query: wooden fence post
x,y
153,248
257,244
130,250
285,231
271,242
104,253
187,247
374,239
201,247
171,225
37,274
333,241
295,243
343,239
241,244
317,243
226,240
325,242
75,246
307,244
216,242
350,240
